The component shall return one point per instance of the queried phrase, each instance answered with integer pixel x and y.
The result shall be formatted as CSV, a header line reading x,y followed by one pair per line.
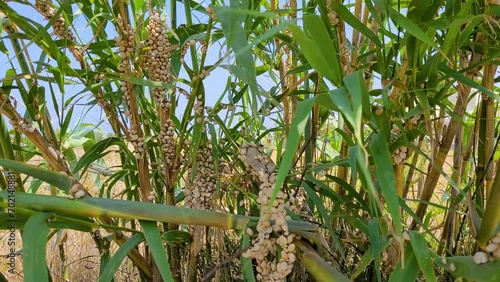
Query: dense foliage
x,y
253,140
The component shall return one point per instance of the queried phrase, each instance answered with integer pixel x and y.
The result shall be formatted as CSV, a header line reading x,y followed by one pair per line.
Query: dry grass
x,y
72,255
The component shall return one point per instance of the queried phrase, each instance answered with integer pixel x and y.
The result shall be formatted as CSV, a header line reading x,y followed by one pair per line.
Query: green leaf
x,y
315,27
114,263
296,130
351,112
408,271
379,149
464,266
360,100
155,243
414,30
34,250
318,203
96,152
344,13
454,29
460,77
53,178
176,236
314,56
233,30
375,240
368,257
423,255
246,263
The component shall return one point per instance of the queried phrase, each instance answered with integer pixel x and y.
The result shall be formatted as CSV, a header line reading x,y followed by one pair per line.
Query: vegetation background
x,y
250,140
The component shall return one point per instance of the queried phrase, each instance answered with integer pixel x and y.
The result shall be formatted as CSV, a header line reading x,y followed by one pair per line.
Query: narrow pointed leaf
x,y
34,250
54,178
114,263
153,237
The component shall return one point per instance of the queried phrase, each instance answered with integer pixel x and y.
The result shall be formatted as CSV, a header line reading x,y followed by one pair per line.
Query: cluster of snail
x,y
167,140
201,180
60,29
125,42
23,125
272,227
158,59
492,251
192,42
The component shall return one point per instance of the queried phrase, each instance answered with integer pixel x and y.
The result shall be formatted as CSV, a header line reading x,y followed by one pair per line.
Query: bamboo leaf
x,y
53,178
318,203
153,238
314,56
247,267
464,266
408,271
462,78
350,112
296,130
35,243
114,263
385,175
349,18
414,30
96,152
236,38
315,27
423,255
360,100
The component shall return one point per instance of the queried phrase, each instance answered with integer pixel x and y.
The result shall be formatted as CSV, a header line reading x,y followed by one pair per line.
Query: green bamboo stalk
x,y
132,210
316,265
189,22
491,218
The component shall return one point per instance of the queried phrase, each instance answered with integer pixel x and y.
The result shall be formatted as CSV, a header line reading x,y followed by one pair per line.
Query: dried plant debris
x,y
273,235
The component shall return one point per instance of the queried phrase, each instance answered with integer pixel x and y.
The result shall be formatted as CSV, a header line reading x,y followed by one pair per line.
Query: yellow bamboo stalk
x,y
344,56
438,160
411,170
449,229
135,123
355,35
399,176
489,124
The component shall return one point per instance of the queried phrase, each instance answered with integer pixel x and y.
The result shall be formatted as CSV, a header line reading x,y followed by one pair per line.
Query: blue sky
x,y
214,84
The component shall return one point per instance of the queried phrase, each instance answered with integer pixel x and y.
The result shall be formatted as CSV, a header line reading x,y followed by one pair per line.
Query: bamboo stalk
x,y
316,265
489,124
444,147
449,230
491,216
134,210
411,170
